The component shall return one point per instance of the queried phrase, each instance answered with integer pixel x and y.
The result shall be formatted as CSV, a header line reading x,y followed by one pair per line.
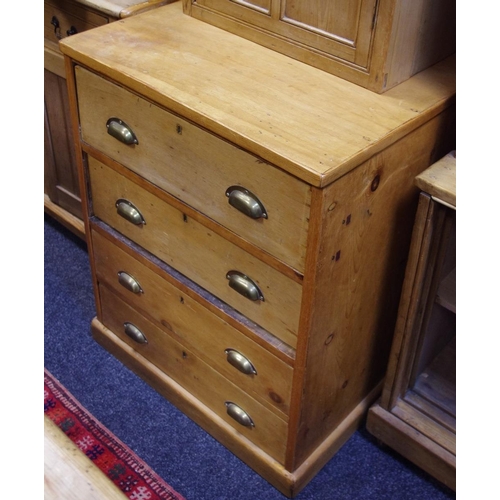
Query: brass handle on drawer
x,y
129,282
244,285
134,333
246,202
128,211
120,130
240,362
241,416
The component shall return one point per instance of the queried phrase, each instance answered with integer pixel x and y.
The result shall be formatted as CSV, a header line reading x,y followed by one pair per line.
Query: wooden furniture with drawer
x,y
417,412
374,43
249,219
63,18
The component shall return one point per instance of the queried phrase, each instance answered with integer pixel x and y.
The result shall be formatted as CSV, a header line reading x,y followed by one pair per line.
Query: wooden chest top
x,y
309,123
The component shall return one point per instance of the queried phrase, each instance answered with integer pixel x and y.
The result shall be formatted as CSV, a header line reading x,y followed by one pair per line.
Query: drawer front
x,y
198,168
194,326
198,253
68,15
203,382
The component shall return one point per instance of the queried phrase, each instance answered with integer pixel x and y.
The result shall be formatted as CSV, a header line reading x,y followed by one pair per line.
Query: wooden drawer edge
x,y
53,60
80,9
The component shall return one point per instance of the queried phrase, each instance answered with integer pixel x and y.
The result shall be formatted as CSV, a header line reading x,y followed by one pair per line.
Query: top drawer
x,y
198,168
63,18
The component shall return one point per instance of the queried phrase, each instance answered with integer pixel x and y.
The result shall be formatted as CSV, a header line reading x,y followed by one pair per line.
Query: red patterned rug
x,y
124,468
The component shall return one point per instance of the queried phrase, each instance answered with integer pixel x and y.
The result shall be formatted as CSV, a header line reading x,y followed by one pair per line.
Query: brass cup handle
x,y
246,202
129,282
121,131
134,333
129,211
240,362
241,416
244,285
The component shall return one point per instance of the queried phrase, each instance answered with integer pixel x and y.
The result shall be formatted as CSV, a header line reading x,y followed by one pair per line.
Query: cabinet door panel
x,y
61,173
336,19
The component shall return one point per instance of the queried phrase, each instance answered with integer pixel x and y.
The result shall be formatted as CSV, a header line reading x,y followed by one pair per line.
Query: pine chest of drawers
x,y
249,218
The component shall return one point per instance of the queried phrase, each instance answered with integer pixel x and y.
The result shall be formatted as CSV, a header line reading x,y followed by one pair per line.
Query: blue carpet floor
x,y
187,458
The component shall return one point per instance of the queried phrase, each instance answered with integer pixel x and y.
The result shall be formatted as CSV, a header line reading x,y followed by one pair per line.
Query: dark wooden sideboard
x,y
63,18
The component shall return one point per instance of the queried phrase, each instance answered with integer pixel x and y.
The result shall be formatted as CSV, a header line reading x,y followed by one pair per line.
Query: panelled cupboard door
x,y
341,28
376,44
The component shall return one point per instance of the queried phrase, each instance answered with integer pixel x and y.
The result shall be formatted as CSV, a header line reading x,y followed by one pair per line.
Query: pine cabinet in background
x,y
373,43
